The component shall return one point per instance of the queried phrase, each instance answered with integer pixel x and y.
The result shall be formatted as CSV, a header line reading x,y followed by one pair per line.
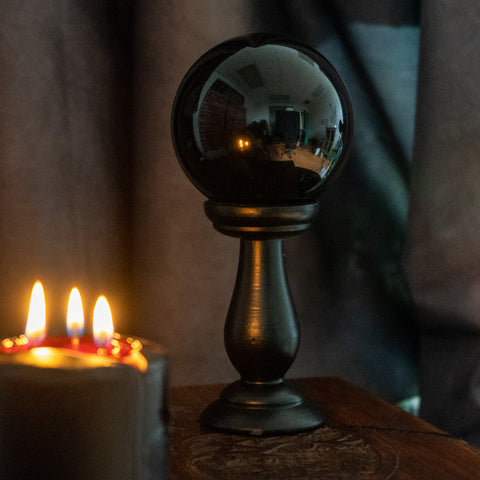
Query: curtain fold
x,y
65,150
183,270
442,252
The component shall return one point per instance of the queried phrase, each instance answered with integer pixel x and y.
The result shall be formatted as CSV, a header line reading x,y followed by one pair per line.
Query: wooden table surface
x,y
364,438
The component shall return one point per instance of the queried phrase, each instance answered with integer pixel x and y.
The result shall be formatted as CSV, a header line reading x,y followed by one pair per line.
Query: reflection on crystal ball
x,y
260,120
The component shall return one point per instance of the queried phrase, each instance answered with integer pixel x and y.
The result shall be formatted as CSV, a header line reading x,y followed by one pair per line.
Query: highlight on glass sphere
x,y
262,120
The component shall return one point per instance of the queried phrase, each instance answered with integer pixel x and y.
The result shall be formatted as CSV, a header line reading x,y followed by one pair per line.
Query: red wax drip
x,y
85,344
15,348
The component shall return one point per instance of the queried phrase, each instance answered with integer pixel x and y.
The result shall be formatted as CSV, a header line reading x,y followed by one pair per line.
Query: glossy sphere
x,y
260,120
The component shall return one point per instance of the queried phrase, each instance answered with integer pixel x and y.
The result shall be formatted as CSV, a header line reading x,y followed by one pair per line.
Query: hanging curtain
x,y
442,252
66,101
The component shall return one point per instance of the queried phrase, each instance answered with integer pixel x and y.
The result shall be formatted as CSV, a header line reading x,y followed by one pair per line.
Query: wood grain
x,y
364,438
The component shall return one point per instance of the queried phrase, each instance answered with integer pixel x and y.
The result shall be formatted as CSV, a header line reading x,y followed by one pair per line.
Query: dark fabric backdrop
x,y
91,193
442,251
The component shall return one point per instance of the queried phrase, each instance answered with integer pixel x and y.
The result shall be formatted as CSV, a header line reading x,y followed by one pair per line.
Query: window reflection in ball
x,y
260,120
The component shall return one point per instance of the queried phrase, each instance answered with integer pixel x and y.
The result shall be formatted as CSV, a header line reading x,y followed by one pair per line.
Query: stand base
x,y
276,408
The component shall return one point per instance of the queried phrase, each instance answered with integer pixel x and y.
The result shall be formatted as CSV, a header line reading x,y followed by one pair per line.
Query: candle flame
x,y
243,144
35,329
102,323
75,317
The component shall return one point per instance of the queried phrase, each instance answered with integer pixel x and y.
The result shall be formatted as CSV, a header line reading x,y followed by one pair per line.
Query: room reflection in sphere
x,y
259,121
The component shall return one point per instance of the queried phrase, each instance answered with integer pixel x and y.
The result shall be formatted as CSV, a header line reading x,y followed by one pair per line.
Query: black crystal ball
x,y
262,120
